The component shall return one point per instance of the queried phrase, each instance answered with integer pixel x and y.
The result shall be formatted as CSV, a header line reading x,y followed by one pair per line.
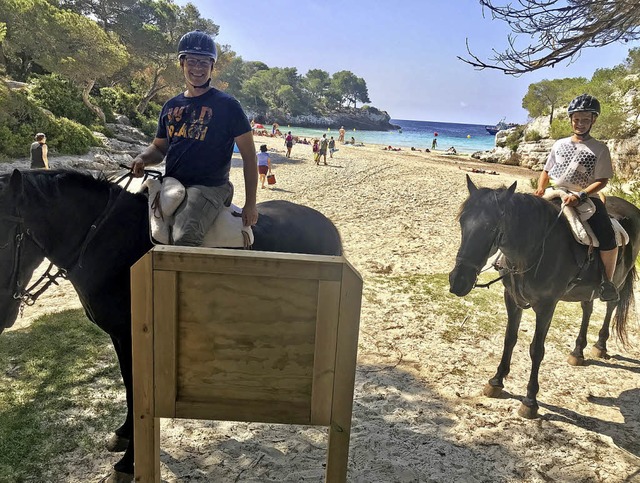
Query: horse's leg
x,y
123,342
121,437
544,313
514,316
576,358
599,349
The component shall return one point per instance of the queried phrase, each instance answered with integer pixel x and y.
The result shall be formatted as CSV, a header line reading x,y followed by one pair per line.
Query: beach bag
x,y
271,178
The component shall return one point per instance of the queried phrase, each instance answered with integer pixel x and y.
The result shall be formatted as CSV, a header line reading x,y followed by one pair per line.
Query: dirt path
x,y
419,414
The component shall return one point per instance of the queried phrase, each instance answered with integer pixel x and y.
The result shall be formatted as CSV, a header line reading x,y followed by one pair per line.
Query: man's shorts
x,y
198,211
263,169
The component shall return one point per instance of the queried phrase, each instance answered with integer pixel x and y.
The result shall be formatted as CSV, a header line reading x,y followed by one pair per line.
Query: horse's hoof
x,y
528,412
492,391
599,353
117,444
117,477
575,361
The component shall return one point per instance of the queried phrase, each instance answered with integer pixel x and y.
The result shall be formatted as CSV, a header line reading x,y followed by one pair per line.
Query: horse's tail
x,y
625,303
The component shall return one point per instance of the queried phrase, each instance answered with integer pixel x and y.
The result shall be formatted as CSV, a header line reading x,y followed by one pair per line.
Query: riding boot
x,y
608,292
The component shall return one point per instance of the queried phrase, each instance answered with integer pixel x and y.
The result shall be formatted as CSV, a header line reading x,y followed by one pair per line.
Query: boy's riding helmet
x,y
584,103
197,42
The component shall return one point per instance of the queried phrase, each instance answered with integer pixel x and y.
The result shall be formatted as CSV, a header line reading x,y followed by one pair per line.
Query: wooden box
x,y
243,336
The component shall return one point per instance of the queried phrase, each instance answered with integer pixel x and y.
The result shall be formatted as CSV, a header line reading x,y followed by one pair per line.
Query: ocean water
x,y
466,138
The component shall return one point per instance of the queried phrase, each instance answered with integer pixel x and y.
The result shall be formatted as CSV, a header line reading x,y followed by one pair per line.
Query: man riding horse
x,y
582,166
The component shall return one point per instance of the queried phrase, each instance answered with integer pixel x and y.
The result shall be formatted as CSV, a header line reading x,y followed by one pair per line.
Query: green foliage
x,y
61,97
560,128
20,119
532,136
514,138
69,137
117,100
630,192
60,377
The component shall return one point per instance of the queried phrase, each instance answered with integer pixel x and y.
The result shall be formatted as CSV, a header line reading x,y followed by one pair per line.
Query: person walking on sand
x,y
332,147
39,152
316,151
324,143
264,164
288,141
341,134
195,136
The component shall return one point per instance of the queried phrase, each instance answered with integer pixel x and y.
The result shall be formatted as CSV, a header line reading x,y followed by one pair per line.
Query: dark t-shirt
x,y
201,132
37,161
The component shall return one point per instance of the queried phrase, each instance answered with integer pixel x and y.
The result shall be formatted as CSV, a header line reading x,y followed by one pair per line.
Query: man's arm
x,y
153,154
250,170
45,158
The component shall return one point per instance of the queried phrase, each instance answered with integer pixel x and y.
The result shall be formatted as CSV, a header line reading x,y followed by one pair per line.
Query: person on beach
x,y
288,141
332,147
341,134
581,165
434,143
264,164
324,144
198,145
451,150
316,151
39,152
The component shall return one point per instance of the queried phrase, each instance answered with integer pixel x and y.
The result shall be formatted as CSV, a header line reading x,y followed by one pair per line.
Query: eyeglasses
x,y
198,63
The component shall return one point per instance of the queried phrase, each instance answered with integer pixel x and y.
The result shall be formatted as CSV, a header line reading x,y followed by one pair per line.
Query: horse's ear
x,y
512,188
16,183
470,186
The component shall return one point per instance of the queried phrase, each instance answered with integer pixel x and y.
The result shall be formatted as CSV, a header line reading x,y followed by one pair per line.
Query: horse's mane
x,y
485,198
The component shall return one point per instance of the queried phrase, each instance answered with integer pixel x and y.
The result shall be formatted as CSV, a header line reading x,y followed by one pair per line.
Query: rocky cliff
x,y
366,118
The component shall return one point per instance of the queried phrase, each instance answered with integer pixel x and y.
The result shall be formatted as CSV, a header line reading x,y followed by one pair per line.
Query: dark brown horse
x,y
544,265
95,231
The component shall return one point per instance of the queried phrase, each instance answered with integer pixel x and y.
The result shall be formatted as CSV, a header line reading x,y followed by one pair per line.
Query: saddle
x,y
165,197
577,217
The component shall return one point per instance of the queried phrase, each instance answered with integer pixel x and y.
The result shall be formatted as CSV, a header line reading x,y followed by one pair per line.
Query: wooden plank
x,y
325,352
346,358
146,425
256,264
246,339
241,410
165,293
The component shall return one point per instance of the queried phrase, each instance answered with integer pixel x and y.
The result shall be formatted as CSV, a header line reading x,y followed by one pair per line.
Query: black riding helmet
x,y
197,42
584,103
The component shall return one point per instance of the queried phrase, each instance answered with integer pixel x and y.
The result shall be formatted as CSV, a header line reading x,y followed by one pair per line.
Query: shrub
x,y
532,136
61,97
20,119
70,137
560,128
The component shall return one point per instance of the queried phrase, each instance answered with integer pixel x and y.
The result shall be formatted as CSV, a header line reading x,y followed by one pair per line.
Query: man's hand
x,y
249,215
137,168
539,192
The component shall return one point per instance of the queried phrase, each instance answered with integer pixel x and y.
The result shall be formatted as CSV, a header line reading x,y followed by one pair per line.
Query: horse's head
x,y
481,220
19,255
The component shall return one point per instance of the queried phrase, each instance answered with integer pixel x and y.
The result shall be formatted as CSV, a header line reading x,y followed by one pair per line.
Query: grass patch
x,y
55,376
481,313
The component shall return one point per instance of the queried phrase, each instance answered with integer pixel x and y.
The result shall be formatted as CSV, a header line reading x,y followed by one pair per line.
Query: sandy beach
x,y
419,414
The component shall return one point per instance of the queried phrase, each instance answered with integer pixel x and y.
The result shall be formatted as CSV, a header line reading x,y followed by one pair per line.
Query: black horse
x,y
545,265
96,231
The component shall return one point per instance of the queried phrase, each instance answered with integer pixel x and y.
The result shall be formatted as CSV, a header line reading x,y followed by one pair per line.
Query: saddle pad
x,y
227,230
581,230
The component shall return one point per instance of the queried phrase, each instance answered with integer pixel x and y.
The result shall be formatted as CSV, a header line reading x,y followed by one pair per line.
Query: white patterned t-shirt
x,y
575,165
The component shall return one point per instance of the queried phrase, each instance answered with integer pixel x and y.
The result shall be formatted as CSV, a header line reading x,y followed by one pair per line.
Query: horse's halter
x,y
27,296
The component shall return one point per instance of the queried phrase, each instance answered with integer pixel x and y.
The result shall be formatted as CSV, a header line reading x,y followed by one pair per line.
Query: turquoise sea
x,y
466,138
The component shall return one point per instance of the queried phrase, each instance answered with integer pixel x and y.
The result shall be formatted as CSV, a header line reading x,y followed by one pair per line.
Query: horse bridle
x,y
28,295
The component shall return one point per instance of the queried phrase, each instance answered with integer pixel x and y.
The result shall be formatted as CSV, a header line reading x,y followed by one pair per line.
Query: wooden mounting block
x,y
243,336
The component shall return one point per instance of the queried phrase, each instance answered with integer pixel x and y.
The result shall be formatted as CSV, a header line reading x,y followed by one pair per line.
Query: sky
x,y
406,51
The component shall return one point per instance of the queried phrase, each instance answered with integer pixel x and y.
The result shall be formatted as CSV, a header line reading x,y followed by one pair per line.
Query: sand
x,y
419,414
